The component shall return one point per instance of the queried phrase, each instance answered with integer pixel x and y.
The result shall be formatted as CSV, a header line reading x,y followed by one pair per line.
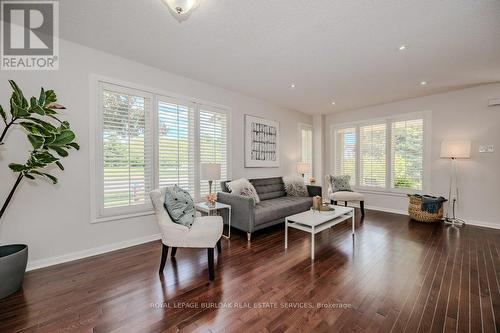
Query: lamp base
x,y
454,221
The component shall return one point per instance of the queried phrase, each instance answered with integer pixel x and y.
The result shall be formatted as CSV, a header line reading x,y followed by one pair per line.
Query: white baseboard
x,y
483,224
90,252
404,212
381,209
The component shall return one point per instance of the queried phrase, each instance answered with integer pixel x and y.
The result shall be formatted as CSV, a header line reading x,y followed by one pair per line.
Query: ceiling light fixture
x,y
292,86
333,103
423,83
402,47
181,8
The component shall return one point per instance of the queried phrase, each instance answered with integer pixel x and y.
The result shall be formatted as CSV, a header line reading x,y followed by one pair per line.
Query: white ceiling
x,y
340,50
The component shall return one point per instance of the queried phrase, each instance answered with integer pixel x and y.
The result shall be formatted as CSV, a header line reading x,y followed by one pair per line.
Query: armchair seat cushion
x,y
347,196
278,208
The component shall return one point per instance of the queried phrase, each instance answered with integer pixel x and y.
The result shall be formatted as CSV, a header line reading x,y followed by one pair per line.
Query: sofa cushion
x,y
278,208
269,188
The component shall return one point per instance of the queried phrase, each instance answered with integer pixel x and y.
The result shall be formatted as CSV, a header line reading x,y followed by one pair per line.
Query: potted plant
x,y
50,138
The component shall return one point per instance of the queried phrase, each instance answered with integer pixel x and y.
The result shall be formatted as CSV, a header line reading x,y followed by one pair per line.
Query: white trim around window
x,y
385,125
306,147
151,179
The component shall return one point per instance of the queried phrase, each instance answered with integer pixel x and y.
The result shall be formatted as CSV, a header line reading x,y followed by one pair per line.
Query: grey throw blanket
x,y
431,204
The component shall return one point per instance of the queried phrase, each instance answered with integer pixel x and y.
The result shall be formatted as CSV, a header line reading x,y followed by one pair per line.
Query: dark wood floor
x,y
396,276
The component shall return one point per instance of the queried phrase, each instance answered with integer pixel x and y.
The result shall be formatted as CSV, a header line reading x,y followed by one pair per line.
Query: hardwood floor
x,y
396,276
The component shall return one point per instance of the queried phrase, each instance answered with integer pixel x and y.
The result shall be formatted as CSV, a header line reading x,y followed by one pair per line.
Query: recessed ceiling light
x,y
292,86
423,83
403,47
333,103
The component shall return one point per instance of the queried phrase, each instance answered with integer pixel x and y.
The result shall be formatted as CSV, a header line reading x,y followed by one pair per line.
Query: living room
x,y
338,163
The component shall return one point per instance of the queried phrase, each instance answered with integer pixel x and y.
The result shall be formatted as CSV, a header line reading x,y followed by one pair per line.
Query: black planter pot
x,y
13,260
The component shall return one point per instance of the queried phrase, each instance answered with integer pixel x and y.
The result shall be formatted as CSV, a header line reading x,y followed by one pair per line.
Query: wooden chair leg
x,y
211,274
164,254
345,203
362,207
219,247
174,251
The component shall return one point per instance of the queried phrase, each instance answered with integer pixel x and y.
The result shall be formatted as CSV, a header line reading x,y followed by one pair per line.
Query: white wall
x,y
461,114
54,220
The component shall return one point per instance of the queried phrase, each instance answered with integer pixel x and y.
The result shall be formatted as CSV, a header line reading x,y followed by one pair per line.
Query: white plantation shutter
x,y
176,148
126,146
213,128
306,139
345,152
373,156
407,147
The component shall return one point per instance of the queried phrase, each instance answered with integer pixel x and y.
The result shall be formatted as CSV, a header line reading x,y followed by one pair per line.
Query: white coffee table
x,y
313,222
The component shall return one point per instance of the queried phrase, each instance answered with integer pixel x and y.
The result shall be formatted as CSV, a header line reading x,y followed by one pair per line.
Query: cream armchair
x,y
344,196
205,232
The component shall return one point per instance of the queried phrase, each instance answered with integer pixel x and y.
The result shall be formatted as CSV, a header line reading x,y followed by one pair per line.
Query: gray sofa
x,y
272,209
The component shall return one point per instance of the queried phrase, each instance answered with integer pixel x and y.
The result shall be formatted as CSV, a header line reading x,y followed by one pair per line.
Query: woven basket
x,y
416,213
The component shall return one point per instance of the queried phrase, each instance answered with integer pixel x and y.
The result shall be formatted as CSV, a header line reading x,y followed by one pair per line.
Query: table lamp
x,y
454,150
210,172
303,168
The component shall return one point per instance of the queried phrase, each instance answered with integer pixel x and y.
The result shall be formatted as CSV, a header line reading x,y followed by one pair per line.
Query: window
x,y
407,145
126,147
372,146
387,154
306,151
147,140
213,143
176,144
345,162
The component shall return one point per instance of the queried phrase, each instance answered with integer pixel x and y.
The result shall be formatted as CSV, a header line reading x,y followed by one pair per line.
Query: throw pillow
x,y
295,186
341,183
243,187
179,205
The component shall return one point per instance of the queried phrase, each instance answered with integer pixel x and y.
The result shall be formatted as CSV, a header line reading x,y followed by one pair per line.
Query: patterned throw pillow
x,y
243,187
179,205
295,187
341,183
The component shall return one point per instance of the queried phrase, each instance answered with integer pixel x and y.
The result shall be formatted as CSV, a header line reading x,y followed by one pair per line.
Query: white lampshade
x,y
181,7
455,149
210,171
303,168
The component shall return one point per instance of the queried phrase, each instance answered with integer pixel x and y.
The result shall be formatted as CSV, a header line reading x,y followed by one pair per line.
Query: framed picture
x,y
262,144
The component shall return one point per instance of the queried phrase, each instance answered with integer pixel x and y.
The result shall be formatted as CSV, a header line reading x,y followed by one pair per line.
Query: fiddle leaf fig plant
x,y
50,137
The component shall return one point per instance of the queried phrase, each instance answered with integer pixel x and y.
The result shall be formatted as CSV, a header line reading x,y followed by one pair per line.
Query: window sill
x,y
121,216
385,192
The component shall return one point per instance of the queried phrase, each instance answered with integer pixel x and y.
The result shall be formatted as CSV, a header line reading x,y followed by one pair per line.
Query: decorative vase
x,y
13,261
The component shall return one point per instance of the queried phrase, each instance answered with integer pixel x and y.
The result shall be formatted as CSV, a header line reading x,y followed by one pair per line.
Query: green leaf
x,y
50,96
43,174
41,99
17,92
38,109
44,157
60,151
33,128
17,167
27,175
60,165
49,127
3,115
36,141
18,111
74,145
66,137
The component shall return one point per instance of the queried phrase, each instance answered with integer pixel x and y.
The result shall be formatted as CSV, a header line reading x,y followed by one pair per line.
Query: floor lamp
x,y
454,150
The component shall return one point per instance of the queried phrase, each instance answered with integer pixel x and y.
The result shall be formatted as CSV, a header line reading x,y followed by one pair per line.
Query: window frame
x,y
302,126
426,116
98,213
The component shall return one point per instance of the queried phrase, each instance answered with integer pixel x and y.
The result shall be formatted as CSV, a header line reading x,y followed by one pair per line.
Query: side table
x,y
211,210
